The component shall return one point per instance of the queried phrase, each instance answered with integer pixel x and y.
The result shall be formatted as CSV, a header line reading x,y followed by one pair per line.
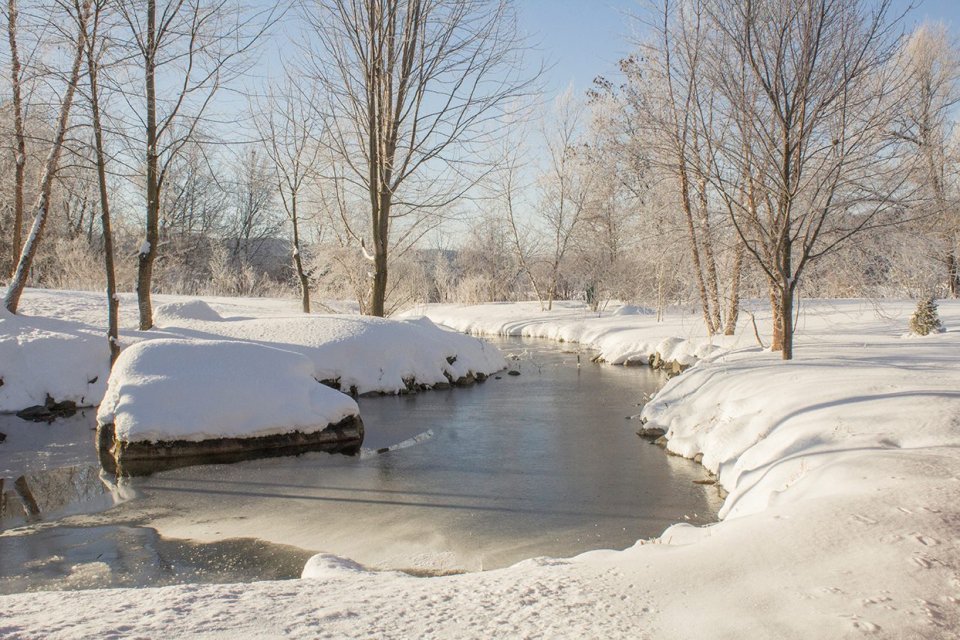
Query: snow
x,y
67,356
173,312
50,356
842,519
198,389
368,354
622,334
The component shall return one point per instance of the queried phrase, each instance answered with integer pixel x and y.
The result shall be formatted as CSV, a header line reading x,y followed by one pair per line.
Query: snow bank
x,y
66,356
174,312
359,353
46,356
165,390
622,334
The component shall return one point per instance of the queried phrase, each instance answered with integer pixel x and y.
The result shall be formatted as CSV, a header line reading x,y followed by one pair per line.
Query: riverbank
x,y
56,349
842,468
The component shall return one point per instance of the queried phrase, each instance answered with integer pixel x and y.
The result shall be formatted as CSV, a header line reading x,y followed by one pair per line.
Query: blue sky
x,y
585,38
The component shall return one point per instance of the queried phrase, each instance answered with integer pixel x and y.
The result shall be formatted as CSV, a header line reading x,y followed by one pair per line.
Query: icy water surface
x,y
544,463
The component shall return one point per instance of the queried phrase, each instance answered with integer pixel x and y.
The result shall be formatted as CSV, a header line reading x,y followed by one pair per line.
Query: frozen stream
x,y
543,463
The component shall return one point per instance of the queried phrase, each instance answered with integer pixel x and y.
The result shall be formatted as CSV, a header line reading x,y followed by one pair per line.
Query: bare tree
x,y
566,186
414,88
20,152
675,98
807,86
289,130
192,47
932,63
253,220
94,56
42,207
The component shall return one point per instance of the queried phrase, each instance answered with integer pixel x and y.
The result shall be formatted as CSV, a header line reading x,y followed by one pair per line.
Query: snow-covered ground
x,y
57,345
842,520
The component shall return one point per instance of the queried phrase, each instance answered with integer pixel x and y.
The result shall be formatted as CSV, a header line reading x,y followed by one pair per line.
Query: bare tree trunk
x,y
148,250
733,303
706,241
298,261
378,293
776,311
694,249
786,320
953,273
113,303
20,156
42,207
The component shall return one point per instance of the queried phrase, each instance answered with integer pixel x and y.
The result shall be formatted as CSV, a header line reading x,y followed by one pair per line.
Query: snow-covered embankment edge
x,y
68,359
626,335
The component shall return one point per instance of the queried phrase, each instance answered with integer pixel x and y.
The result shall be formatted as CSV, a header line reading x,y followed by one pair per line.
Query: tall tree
x,y
191,48
808,87
668,88
94,56
414,88
41,208
289,129
20,150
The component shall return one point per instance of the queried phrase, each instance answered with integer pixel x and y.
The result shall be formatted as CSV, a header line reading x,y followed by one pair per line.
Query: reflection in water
x,y
543,463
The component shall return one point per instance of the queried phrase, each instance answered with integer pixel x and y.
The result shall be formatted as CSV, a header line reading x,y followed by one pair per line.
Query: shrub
x,y
926,319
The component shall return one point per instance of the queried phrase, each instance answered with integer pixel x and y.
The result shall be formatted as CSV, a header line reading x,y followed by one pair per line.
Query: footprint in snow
x,y
922,561
860,624
863,519
926,541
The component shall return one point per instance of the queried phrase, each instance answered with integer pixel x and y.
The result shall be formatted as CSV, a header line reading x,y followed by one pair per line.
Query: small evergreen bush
x,y
926,319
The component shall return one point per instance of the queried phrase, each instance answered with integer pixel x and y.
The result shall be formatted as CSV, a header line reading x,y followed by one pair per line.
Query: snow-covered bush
x,y
926,319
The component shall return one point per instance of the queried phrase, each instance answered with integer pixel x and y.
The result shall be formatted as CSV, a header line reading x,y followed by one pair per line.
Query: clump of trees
x,y
764,149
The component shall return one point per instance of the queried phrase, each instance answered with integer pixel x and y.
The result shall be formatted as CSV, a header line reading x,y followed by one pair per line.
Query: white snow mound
x,y
360,352
327,565
174,312
47,356
164,390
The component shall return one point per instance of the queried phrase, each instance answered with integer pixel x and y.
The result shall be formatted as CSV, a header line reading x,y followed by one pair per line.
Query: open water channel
x,y
541,463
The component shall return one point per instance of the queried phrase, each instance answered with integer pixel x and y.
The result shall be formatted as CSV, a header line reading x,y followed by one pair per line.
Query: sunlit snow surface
x,y
842,521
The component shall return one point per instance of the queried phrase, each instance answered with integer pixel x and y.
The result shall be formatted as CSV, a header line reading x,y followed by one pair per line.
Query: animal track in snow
x,y
863,519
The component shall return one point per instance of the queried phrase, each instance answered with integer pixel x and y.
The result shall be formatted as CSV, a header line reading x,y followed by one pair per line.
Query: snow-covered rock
x,y
174,312
191,390
173,403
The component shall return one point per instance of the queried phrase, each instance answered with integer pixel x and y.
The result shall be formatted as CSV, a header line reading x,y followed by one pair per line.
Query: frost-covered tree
x,y
74,14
